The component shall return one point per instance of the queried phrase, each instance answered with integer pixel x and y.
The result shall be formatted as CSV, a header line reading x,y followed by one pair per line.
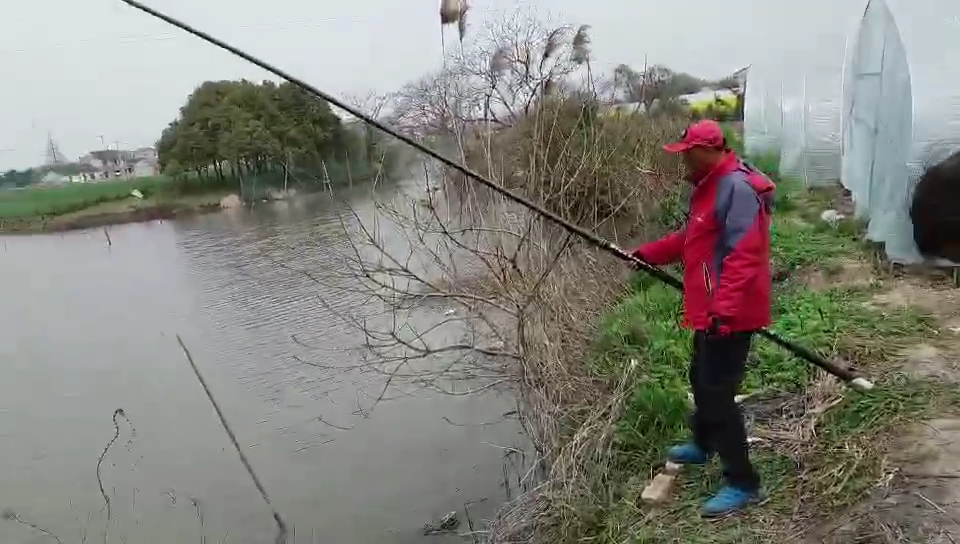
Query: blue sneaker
x,y
729,500
688,454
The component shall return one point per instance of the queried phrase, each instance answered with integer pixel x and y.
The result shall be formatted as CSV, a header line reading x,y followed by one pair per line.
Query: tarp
x,y
878,124
902,111
871,97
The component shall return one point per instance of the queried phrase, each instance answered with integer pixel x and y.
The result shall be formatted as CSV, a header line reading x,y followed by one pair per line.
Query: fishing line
x,y
845,373
281,525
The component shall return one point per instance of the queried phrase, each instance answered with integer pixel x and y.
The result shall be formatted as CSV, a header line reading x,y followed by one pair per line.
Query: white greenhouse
x,y
872,101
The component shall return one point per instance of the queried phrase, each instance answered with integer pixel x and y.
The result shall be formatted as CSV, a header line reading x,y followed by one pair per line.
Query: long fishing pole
x,y
281,525
858,383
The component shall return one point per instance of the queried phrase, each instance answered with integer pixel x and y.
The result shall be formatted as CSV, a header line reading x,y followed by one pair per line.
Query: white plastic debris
x,y
831,216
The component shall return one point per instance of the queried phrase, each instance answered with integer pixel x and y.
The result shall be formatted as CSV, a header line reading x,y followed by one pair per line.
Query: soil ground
x,y
918,499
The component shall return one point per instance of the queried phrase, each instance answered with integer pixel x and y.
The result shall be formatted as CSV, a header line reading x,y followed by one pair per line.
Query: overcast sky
x,y
84,68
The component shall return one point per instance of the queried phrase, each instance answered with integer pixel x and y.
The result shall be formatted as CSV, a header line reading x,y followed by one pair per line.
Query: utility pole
x,y
102,143
53,155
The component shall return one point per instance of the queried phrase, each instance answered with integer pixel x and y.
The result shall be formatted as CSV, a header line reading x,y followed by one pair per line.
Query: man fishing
x,y
725,249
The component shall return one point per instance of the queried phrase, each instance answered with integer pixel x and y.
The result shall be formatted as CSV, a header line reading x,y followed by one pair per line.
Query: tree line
x,y
241,127
18,178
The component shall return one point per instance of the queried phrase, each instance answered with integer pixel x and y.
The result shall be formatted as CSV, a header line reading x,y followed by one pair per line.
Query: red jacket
x,y
725,249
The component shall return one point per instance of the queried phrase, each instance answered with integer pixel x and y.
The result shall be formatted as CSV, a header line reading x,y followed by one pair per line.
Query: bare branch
x,y
464,291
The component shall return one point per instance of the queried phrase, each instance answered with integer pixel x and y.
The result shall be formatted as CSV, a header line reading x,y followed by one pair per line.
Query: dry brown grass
x,y
524,296
597,171
608,175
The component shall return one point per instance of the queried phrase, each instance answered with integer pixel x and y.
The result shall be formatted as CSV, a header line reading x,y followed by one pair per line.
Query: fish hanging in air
x,y
454,12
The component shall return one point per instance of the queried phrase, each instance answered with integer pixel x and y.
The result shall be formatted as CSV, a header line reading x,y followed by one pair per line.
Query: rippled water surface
x,y
88,328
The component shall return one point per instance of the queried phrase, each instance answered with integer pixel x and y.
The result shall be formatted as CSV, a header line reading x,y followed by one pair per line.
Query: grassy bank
x,y
31,202
81,205
821,448
85,205
602,366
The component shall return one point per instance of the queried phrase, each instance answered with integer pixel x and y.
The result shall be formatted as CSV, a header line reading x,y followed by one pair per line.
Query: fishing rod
x,y
846,374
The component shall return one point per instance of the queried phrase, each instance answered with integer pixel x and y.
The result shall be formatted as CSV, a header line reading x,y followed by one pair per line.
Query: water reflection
x,y
89,328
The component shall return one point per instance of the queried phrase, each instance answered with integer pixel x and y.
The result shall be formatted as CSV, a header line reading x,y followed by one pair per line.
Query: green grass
x,y
838,467
40,203
33,202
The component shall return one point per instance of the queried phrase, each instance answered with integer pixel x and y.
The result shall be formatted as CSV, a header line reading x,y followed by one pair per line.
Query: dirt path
x,y
919,498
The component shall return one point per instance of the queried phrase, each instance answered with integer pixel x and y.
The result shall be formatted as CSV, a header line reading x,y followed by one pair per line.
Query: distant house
x,y
91,160
112,158
145,167
145,153
119,163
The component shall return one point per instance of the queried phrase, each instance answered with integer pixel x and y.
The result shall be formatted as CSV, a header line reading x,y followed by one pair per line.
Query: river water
x,y
89,327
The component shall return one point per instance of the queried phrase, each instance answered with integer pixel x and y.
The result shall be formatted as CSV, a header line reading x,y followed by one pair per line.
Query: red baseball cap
x,y
704,133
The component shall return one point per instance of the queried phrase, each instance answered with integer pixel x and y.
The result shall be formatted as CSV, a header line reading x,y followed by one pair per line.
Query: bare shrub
x,y
496,79
518,297
437,103
593,170
606,174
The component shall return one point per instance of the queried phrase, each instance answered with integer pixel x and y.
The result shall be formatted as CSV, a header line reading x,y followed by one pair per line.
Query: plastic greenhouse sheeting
x,y
878,120
800,100
902,111
762,113
765,104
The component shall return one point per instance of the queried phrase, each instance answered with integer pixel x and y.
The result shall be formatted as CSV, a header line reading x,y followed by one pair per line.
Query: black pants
x,y
716,372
